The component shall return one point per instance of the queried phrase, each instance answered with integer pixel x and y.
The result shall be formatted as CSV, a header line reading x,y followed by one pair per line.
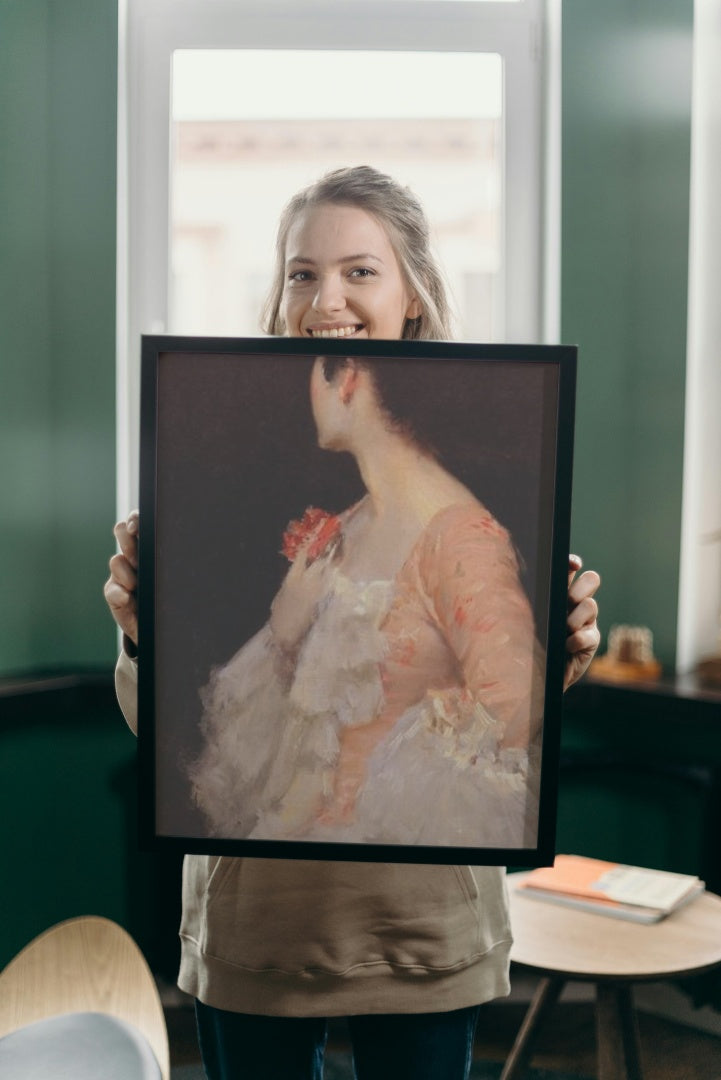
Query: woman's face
x,y
342,277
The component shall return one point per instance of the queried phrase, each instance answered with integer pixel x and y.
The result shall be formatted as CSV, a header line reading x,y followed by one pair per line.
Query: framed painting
x,y
352,597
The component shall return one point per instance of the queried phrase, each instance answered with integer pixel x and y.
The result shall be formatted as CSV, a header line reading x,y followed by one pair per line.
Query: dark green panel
x,y
625,817
26,451
641,777
83,129
62,784
626,147
68,798
58,76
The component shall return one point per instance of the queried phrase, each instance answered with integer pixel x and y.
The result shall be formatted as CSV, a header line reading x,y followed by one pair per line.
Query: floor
x,y
670,1051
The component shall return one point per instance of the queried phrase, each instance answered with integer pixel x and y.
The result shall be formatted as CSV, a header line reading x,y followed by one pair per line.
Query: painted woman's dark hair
x,y
458,411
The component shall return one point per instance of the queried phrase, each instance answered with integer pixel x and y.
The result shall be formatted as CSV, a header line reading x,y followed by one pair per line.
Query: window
x,y
227,107
236,161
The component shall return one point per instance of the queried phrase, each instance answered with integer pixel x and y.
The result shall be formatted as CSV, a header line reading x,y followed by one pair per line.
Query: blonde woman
x,y
272,948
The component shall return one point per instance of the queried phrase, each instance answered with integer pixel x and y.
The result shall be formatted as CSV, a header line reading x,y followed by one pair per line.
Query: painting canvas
x,y
352,597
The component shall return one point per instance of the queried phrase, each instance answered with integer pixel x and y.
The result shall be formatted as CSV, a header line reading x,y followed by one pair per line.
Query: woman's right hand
x,y
122,586
296,603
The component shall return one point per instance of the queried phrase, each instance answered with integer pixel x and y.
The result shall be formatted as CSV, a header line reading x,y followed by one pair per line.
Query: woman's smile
x,y
334,331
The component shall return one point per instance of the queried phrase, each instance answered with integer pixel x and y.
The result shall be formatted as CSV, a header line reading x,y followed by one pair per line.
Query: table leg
x,y
545,997
617,1033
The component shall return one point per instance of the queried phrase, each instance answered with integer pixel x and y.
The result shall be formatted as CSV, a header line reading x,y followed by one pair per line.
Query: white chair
x,y
80,1002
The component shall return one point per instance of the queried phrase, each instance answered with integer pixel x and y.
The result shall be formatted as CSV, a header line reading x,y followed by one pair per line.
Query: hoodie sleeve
x,y
126,688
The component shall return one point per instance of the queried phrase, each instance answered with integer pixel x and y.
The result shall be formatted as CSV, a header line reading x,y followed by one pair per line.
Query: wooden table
x,y
563,944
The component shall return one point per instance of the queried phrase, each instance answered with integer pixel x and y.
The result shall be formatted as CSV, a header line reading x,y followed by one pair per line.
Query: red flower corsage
x,y
317,528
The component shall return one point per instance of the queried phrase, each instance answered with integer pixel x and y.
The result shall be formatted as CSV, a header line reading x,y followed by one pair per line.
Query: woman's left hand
x,y
583,635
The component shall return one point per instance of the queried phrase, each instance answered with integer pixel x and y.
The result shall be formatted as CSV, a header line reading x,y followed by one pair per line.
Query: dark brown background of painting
x,y
237,459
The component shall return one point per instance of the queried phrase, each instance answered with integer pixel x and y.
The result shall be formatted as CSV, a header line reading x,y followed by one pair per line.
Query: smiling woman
x,y
399,589
446,132
353,260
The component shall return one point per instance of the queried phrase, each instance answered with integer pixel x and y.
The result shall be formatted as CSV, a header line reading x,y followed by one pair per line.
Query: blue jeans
x,y
414,1046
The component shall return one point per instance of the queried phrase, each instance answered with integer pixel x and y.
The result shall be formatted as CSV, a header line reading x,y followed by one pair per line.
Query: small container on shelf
x,y
629,657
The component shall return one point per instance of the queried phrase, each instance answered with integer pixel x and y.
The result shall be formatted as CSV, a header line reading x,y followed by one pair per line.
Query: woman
x,y
272,948
395,694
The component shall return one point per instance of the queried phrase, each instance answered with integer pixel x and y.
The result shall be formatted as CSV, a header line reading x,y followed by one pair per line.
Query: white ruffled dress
x,y
446,650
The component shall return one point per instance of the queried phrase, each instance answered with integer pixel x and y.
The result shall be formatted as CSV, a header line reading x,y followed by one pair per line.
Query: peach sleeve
x,y
470,575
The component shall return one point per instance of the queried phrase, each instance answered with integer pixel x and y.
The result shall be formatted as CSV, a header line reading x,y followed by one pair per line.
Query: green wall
x,y
626,126
626,137
58,72
626,146
68,804
67,773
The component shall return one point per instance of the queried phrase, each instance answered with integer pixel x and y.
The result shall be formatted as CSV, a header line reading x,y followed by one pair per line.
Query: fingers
x,y
583,613
582,607
575,562
121,587
126,533
584,641
582,634
580,650
119,599
123,572
123,608
582,587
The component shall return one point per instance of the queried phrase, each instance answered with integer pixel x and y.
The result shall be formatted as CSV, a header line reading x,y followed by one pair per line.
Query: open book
x,y
608,888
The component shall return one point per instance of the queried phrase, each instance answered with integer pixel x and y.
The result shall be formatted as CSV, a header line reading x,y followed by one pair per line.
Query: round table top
x,y
559,940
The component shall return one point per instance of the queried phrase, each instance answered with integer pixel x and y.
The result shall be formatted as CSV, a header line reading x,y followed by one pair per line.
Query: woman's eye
x,y
362,272
300,276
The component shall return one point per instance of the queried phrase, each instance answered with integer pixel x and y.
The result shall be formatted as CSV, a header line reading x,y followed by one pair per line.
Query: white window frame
x,y
699,597
526,34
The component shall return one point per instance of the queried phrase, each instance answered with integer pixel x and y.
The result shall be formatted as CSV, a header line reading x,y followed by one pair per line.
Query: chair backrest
x,y
88,964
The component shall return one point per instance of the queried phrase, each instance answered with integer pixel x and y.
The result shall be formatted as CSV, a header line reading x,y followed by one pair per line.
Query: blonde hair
x,y
403,217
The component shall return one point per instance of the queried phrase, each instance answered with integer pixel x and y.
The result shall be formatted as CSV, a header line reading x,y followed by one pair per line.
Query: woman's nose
x,y
329,296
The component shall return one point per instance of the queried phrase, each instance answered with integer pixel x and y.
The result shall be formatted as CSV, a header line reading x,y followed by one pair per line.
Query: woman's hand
x,y
121,587
583,635
296,602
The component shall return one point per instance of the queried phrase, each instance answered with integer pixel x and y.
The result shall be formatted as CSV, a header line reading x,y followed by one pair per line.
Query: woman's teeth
x,y
337,331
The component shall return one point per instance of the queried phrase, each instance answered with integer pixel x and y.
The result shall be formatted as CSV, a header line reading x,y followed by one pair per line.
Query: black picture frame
x,y
229,455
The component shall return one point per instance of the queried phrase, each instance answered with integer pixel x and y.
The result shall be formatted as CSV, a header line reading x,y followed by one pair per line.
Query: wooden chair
x,y
87,969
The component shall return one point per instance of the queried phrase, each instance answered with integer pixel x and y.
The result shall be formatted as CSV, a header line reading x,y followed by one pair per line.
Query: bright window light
x,y
238,156
222,84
